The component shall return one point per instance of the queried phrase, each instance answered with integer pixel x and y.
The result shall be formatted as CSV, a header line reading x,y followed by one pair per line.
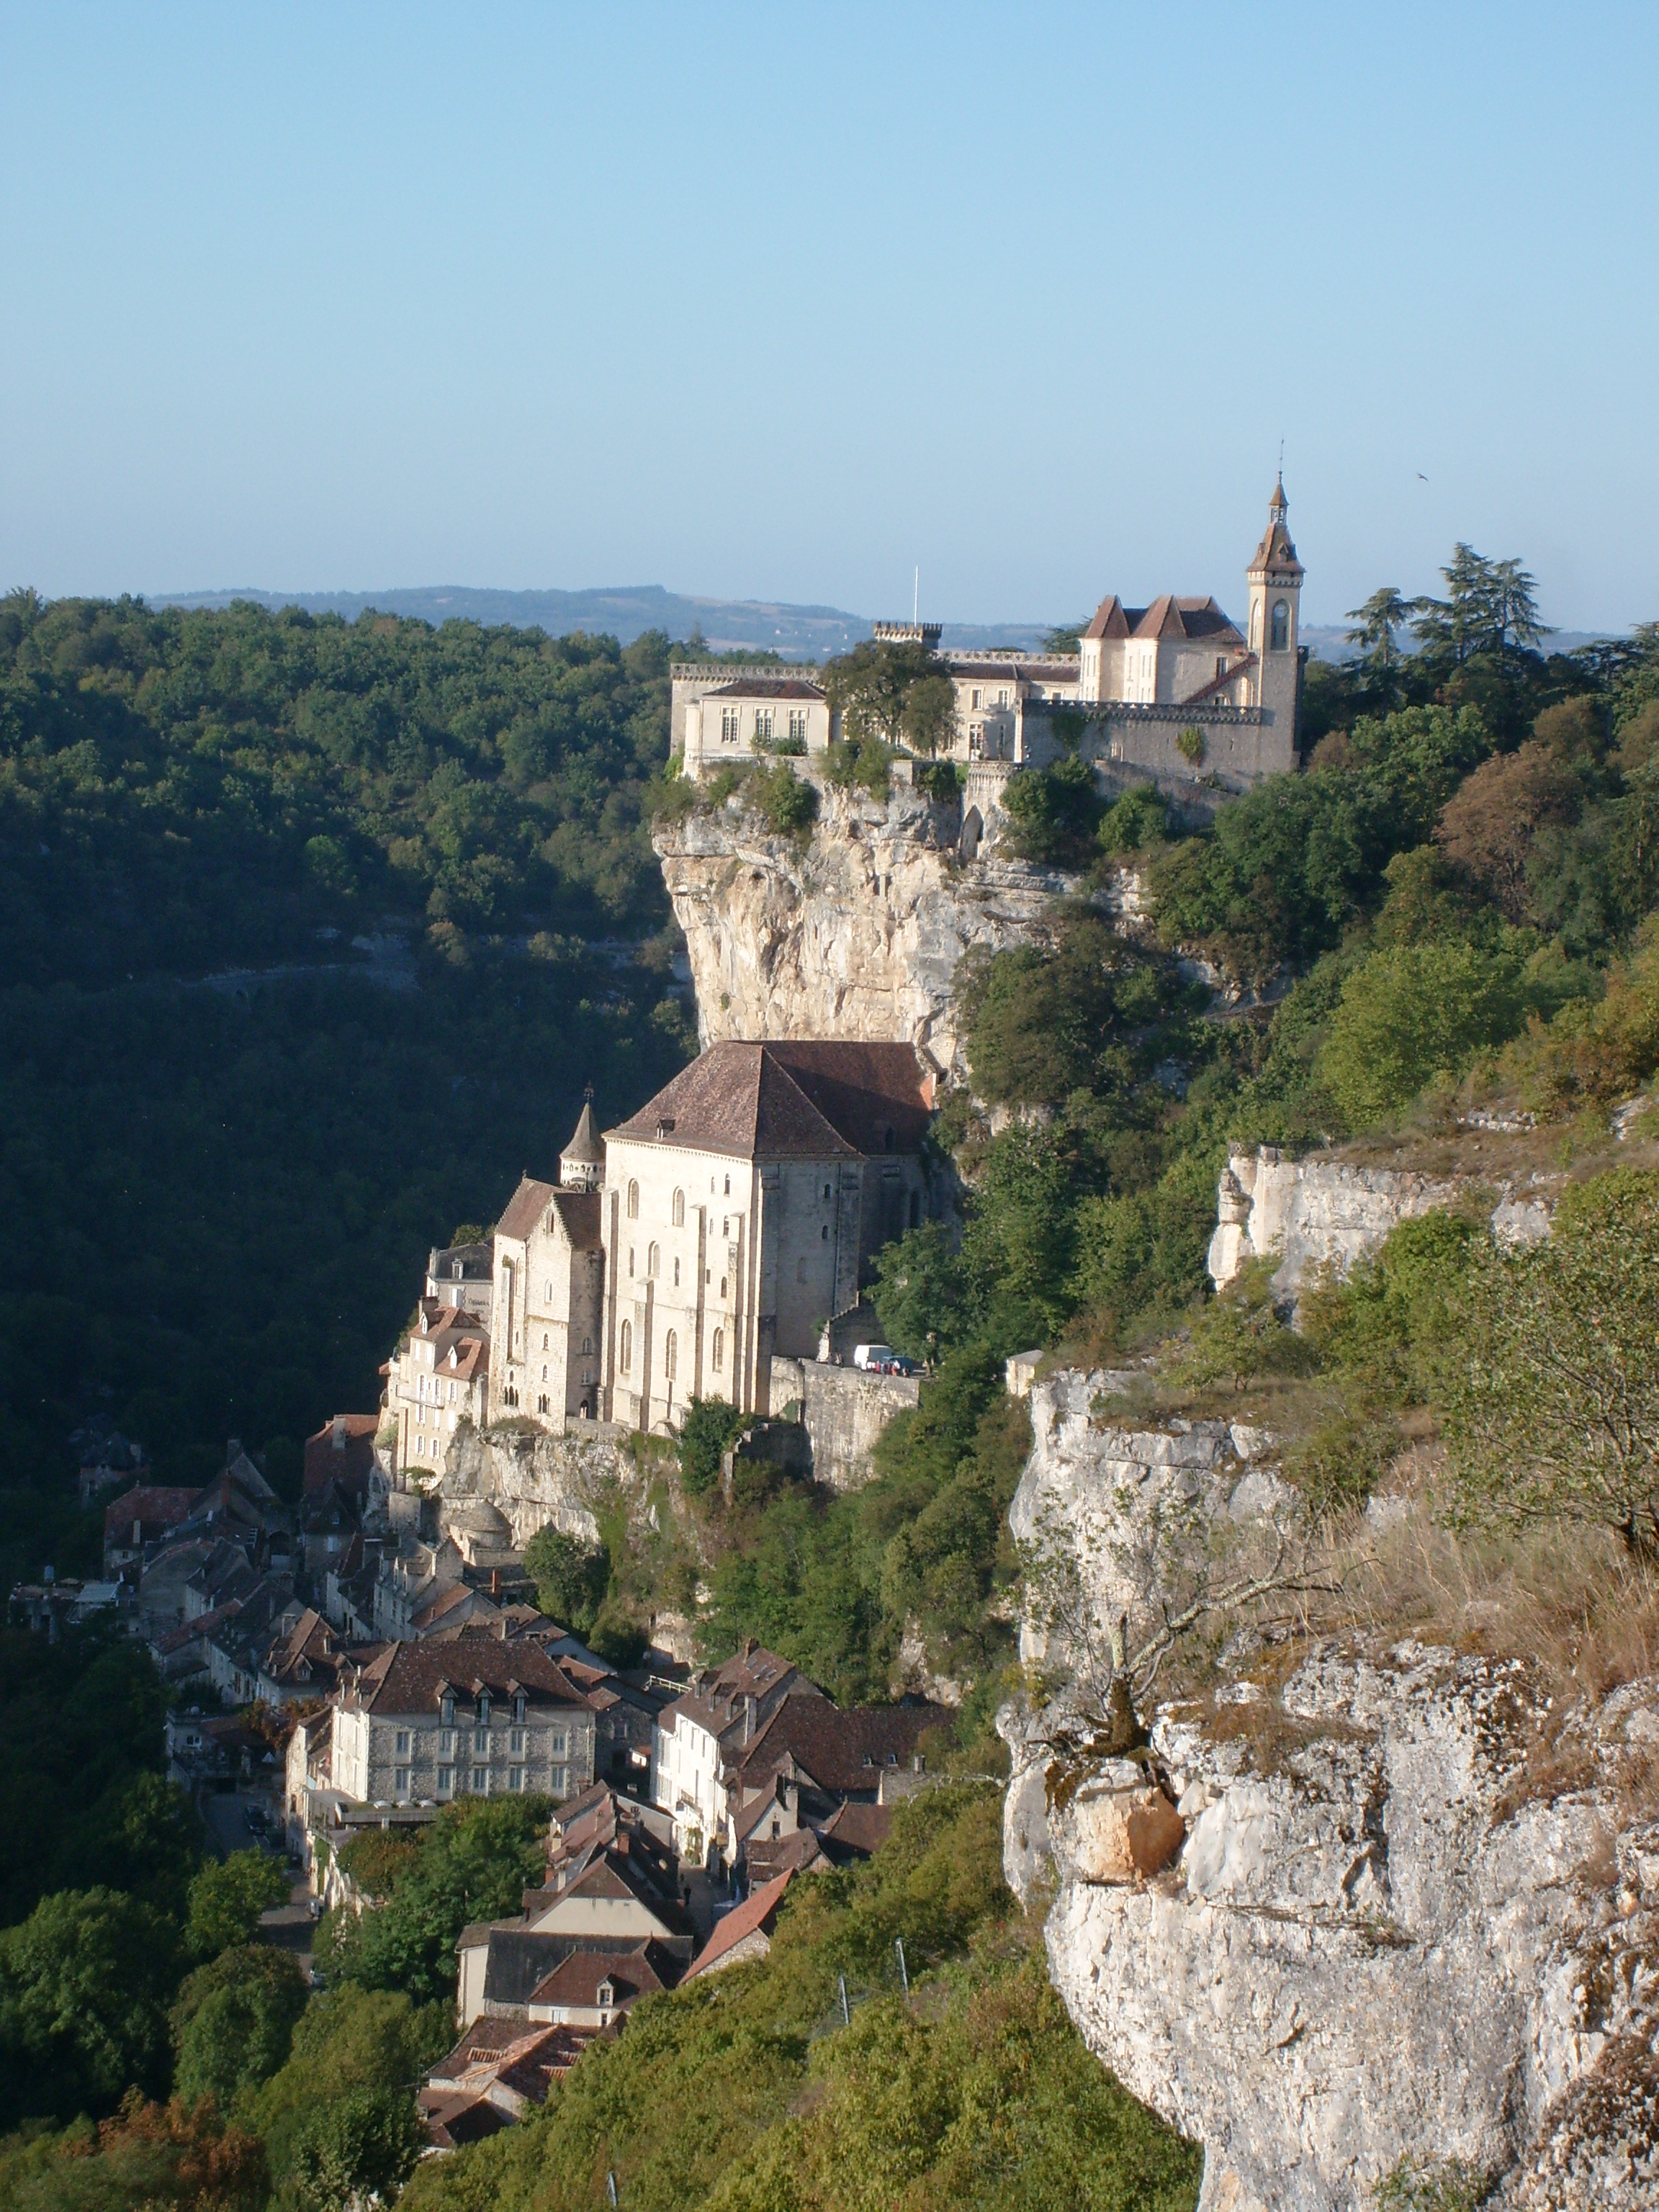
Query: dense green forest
x,y
221,1187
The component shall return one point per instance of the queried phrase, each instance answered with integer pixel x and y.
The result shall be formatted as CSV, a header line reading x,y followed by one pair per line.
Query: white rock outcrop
x,y
1350,1919
858,934
1310,1214
536,1481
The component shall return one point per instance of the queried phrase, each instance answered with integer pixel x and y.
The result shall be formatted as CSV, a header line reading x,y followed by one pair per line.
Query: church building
x,y
723,1224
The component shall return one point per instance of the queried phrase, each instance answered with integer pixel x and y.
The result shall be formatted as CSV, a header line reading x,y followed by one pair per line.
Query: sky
x,y
783,302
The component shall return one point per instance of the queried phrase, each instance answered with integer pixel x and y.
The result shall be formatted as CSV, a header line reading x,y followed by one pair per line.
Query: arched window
x,y
728,1187
679,1209
824,1233
628,1347
653,1260
541,1403
826,1193
671,1355
677,1274
717,1351
722,1287
633,1201
587,1344
630,1259
1282,625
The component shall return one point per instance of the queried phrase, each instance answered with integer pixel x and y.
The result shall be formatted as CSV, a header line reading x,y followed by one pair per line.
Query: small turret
x,y
581,1163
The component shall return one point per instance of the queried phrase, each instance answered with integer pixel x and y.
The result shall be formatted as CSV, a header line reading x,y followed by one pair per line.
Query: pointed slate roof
x,y
1276,552
585,1145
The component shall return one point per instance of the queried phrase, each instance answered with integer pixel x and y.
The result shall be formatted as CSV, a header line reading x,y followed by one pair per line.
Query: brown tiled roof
x,y
799,1852
766,687
1234,670
154,1508
756,1912
579,1215
859,1830
525,1208
843,1752
810,1099
1168,616
411,1678
633,1972
352,1465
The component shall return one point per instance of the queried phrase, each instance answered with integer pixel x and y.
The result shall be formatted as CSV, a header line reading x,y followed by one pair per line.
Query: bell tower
x,y
1275,584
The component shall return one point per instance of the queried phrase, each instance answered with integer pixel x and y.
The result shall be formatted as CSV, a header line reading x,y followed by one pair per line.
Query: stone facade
x,y
549,1298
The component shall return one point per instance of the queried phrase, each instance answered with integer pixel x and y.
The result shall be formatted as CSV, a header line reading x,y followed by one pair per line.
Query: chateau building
x,y
547,1294
1175,691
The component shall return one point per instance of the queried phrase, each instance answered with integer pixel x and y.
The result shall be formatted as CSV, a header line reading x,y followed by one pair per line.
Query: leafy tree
x,y
789,804
232,2021
349,2040
1553,1413
570,1577
361,2146
1130,825
708,1426
226,1899
1037,1022
920,1290
474,1862
872,687
1488,826
84,1983
1056,812
1411,1013
163,2158
928,723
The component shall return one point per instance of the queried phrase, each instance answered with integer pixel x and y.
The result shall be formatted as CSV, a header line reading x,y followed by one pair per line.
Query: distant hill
x,y
623,612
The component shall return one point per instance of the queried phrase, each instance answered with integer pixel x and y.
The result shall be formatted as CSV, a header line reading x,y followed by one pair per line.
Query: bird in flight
x,y
1421,478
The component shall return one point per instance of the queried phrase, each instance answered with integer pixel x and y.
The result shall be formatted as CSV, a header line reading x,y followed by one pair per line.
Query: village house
x,y
341,1456
501,2070
138,1520
745,1932
701,1734
438,1378
459,1275
105,1458
303,1664
474,1716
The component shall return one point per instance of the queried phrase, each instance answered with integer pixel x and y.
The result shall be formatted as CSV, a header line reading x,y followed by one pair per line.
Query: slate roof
x,y
632,1972
1166,617
525,1208
856,1830
585,1145
768,687
520,1960
810,1099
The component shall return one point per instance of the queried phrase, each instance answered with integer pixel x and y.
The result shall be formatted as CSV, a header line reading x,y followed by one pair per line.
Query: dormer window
x,y
606,1993
518,1707
447,1711
484,1709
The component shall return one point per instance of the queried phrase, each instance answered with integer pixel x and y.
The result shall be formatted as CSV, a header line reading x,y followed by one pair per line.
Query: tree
x,y
1487,826
1056,811
226,1901
1037,1023
928,722
571,1577
348,2038
163,2158
1376,625
1553,1413
1466,620
84,1983
919,1290
871,687
708,1426
1515,606
355,2147
232,2021
1410,1012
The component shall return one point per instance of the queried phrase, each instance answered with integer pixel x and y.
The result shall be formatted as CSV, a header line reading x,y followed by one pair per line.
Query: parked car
x,y
257,1822
881,1359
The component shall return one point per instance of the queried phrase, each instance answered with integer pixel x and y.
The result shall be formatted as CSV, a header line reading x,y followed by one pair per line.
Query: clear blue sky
x,y
780,302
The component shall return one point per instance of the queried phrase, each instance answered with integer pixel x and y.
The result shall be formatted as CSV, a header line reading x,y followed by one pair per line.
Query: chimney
x,y
495,1582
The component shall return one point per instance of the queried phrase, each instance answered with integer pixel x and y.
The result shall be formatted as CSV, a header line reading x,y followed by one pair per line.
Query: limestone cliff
x,y
537,1481
1336,1917
857,934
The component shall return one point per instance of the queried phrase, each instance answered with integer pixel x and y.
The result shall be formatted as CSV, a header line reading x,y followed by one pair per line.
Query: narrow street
x,y
224,1815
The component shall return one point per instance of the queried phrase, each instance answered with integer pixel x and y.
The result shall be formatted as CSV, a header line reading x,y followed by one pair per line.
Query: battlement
x,y
909,633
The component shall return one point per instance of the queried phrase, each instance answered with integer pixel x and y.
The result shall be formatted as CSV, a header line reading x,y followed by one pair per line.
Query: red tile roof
x,y
812,1099
755,1914
411,1678
350,1462
154,1507
576,1211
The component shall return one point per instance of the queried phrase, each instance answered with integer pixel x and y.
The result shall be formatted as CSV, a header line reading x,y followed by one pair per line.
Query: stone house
x,y
341,1453
702,1733
471,1717
460,1275
140,1519
745,1932
438,1377
720,716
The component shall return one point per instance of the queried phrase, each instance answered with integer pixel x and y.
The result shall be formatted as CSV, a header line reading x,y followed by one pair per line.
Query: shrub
x,y
1191,746
571,1577
939,779
709,1425
788,805
863,763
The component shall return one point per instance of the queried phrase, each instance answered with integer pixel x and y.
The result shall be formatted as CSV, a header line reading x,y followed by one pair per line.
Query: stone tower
x,y
1275,582
581,1163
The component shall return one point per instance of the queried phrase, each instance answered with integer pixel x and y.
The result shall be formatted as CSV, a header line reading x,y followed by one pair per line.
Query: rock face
x,y
1333,1924
1319,1212
534,1480
857,934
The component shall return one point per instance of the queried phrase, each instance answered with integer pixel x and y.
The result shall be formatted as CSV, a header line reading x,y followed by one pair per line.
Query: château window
x,y
628,1347
728,725
762,725
481,1743
826,1193
722,1287
679,1209
728,1187
824,1233
798,725
653,1260
480,1777
671,1356
717,1351
541,1403
587,1344
1282,626
677,1274
633,1201
977,700
630,1259
518,1714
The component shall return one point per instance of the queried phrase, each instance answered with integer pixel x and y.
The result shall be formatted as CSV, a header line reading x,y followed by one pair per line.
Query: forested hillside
x,y
219,1197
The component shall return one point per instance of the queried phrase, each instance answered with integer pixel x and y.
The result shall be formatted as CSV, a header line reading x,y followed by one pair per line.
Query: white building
x,y
701,1734
548,1289
437,1379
